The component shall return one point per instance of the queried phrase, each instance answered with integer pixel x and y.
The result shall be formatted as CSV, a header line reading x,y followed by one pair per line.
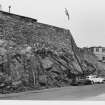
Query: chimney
x,y
0,7
9,8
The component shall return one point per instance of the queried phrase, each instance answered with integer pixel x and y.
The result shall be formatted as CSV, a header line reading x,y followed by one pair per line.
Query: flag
x,y
67,13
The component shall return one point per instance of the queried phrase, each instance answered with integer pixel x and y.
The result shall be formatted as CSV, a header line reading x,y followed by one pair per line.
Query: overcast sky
x,y
87,17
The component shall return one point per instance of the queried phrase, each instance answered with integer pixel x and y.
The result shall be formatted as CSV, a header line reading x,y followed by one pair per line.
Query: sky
x,y
87,17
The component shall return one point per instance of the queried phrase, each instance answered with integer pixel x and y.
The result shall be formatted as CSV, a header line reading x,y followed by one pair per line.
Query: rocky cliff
x,y
38,54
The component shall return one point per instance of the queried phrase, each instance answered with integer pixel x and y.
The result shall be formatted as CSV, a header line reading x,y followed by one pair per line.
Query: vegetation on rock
x,y
29,67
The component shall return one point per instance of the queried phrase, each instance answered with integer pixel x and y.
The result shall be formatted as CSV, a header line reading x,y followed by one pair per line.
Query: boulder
x,y
46,63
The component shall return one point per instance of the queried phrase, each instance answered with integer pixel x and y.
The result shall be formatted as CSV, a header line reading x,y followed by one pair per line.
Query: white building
x,y
99,52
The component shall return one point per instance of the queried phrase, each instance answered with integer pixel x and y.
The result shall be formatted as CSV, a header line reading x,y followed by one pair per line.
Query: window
x,y
103,50
97,49
103,58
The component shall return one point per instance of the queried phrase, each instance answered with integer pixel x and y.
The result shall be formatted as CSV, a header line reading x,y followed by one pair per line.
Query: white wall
x,y
99,54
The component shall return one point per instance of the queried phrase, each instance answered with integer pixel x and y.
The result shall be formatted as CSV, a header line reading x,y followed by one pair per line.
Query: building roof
x,y
96,47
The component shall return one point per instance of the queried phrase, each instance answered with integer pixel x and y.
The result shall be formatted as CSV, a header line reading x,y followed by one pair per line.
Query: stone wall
x,y
23,31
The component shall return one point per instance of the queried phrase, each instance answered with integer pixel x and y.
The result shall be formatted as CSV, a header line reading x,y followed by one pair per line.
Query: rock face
x,y
40,54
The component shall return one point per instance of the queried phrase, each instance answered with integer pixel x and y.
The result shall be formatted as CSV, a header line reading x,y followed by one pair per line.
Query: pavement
x,y
90,92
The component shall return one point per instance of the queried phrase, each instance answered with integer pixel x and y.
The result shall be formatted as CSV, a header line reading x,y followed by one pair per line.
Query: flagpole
x,y
67,14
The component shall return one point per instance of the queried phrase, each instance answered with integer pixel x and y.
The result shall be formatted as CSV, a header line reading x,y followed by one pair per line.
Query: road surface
x,y
89,92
